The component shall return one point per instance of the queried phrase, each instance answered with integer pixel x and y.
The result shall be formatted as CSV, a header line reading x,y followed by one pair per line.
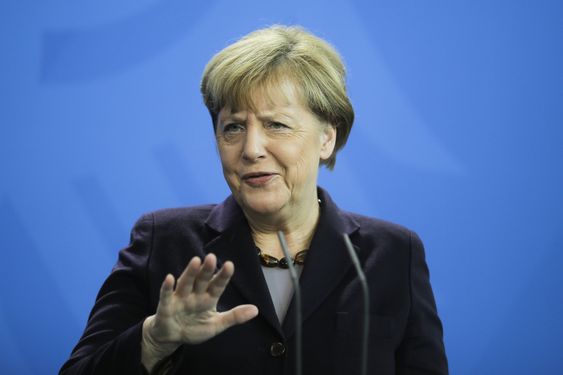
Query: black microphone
x,y
365,289
297,295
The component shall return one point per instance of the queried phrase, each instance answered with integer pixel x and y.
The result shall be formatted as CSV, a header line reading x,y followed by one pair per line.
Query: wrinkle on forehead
x,y
274,93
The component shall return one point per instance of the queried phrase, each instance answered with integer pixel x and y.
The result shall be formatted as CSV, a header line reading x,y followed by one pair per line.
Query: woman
x,y
279,108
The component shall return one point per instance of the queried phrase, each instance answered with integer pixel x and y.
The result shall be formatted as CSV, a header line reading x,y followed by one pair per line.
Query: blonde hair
x,y
265,57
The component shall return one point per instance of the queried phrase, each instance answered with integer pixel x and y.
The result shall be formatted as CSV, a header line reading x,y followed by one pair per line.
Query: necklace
x,y
270,261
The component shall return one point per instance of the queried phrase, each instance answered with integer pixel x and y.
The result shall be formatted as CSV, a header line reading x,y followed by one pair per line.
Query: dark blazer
x,y
405,335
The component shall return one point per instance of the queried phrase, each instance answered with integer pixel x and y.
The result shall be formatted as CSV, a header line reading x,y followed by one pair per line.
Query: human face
x,y
270,154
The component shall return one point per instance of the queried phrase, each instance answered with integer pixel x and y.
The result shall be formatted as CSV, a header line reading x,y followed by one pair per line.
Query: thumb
x,y
237,315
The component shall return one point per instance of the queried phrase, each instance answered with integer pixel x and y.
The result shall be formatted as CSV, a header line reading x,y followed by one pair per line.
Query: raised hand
x,y
188,314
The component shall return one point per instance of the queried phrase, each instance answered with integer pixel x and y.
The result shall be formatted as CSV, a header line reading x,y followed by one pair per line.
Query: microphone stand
x,y
297,295
365,289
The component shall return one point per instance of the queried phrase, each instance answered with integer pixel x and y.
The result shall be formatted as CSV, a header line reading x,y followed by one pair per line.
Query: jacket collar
x,y
234,242
229,214
327,259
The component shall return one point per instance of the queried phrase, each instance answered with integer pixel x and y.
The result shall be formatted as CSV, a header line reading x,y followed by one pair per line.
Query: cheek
x,y
229,165
302,164
231,178
227,156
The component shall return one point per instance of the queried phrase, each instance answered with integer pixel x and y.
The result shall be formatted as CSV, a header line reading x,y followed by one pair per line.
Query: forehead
x,y
275,96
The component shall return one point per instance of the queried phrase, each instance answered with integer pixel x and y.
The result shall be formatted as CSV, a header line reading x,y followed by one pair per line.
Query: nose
x,y
254,147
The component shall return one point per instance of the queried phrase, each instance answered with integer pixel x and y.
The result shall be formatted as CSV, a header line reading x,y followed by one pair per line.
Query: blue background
x,y
459,136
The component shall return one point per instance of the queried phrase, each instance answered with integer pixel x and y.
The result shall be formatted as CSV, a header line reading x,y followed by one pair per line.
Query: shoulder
x,y
175,219
379,233
370,231
378,227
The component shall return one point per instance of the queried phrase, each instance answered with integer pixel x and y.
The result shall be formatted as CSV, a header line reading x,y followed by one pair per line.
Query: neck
x,y
298,228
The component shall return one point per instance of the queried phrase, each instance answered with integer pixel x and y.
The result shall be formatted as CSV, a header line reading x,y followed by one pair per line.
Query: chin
x,y
262,204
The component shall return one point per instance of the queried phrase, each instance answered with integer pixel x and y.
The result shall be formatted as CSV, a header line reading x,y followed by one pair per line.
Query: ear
x,y
328,140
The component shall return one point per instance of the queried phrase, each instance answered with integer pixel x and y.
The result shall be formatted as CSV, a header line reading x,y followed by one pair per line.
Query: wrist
x,y
153,352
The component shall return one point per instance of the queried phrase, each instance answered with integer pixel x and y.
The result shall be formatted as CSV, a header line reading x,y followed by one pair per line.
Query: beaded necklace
x,y
271,261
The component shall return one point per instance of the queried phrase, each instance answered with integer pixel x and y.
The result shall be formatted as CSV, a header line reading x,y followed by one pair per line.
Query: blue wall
x,y
459,136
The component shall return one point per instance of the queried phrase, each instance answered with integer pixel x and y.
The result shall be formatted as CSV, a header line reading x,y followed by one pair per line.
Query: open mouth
x,y
258,178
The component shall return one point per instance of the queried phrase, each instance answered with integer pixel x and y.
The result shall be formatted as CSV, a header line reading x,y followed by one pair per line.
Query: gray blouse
x,y
281,287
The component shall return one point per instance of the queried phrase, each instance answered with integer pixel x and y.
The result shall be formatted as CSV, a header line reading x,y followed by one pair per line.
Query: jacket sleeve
x,y
422,350
111,342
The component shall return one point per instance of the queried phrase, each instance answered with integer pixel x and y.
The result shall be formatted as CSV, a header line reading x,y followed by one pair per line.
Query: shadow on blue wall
x,y
458,136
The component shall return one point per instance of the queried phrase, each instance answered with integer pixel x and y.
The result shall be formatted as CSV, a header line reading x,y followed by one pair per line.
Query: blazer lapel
x,y
327,261
235,243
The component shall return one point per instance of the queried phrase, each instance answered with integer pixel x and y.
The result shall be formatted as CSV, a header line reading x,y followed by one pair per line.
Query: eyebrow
x,y
235,117
269,115
273,115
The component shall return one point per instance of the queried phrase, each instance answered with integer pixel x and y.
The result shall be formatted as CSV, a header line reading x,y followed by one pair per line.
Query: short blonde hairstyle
x,y
267,56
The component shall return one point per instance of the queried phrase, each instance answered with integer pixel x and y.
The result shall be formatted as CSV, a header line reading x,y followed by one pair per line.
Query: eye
x,y
277,125
233,128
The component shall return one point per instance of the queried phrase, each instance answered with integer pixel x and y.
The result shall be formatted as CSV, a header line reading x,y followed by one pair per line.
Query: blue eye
x,y
277,125
233,128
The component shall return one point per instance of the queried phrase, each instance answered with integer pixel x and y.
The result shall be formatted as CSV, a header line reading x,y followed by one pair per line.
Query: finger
x,y
219,282
205,274
167,288
236,315
185,283
166,291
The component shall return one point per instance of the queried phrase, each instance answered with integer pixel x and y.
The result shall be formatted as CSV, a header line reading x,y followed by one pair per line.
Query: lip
x,y
257,179
256,174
